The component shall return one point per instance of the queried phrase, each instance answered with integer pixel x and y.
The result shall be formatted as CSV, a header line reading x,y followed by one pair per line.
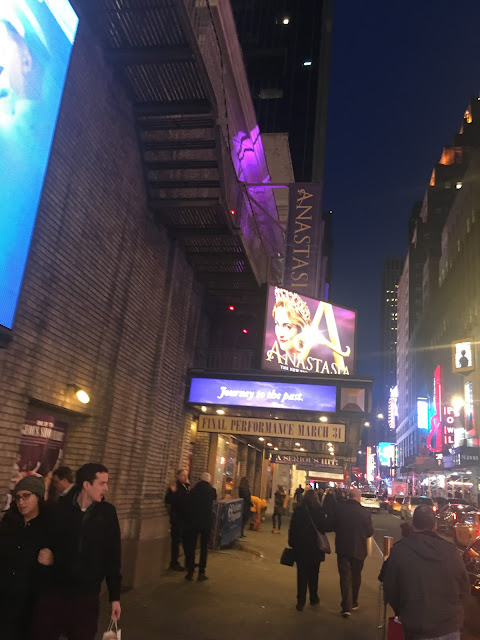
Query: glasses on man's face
x,y
23,496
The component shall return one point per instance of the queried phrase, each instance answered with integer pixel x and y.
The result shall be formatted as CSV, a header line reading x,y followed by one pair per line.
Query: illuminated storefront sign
x,y
370,471
386,454
462,356
303,335
262,393
448,424
393,408
36,39
305,461
436,434
469,417
275,428
422,413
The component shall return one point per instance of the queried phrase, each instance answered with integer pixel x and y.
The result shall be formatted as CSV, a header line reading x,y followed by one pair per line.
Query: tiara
x,y
295,300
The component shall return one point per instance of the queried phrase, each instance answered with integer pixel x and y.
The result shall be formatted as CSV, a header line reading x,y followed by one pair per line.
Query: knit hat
x,y
34,484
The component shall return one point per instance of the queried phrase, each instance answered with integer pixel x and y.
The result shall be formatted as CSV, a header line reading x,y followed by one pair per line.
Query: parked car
x,y
410,503
467,528
450,514
471,558
395,504
370,501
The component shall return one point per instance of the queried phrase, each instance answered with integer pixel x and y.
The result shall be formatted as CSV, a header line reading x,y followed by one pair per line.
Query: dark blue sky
x,y
401,77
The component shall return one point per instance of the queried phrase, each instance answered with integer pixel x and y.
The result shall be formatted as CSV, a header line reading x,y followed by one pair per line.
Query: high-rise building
x,y
437,300
392,270
286,47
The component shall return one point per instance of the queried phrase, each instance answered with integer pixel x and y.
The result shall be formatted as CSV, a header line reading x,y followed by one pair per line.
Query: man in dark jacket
x,y
176,500
353,526
199,522
86,546
425,581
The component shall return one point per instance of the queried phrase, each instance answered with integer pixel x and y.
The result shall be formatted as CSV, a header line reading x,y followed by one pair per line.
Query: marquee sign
x,y
263,393
304,335
274,428
306,461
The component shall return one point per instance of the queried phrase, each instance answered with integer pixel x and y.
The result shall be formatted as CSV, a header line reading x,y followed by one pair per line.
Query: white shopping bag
x,y
113,632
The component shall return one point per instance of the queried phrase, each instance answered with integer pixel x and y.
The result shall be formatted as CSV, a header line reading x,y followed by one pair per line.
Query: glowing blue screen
x,y
36,40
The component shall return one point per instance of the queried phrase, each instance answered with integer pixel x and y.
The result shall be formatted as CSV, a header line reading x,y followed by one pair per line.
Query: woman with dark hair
x,y
307,519
278,508
244,492
23,535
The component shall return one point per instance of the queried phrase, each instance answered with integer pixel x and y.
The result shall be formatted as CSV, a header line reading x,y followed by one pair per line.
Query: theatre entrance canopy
x,y
305,415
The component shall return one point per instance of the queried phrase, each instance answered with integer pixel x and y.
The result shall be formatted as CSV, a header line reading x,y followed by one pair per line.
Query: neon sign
x,y
436,419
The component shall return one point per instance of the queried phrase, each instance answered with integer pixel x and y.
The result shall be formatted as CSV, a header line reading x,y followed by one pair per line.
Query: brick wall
x,y
108,303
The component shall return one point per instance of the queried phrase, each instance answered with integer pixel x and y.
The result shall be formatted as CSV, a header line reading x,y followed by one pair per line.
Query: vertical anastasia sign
x,y
304,335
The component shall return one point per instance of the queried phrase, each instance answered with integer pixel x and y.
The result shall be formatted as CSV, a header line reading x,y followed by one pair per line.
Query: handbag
x,y
113,632
323,544
288,557
394,629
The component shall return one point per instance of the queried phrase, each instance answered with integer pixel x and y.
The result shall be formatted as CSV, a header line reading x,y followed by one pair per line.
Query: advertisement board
x,y
36,39
386,454
262,393
304,335
42,443
278,428
462,356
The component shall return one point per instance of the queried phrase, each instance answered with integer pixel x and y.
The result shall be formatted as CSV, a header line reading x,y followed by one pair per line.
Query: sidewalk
x,y
249,595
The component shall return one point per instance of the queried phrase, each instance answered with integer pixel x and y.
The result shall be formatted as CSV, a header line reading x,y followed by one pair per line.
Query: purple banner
x,y
303,335
303,246
265,394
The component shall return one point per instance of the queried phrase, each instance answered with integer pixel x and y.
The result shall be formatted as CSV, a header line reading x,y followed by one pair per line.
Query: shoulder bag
x,y
323,544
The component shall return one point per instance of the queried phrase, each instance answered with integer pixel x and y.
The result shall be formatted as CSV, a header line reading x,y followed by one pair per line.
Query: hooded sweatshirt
x,y
425,582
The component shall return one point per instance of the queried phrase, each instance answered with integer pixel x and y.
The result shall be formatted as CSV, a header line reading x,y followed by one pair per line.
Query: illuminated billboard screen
x,y
266,394
303,335
423,421
36,39
462,356
386,454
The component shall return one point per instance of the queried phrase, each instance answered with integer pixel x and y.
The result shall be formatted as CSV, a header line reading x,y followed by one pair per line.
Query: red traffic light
x,y
231,308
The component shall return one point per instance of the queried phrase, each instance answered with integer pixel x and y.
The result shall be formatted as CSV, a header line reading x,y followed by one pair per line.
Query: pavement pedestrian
x,y
244,492
307,519
199,523
278,508
176,501
23,557
425,582
353,526
86,545
298,493
62,480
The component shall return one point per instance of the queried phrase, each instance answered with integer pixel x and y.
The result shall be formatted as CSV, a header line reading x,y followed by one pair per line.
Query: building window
x,y
271,94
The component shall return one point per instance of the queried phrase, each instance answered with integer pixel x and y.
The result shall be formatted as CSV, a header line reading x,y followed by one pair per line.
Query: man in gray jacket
x,y
425,582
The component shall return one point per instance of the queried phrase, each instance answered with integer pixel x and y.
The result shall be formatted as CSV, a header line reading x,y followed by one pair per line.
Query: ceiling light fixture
x,y
220,412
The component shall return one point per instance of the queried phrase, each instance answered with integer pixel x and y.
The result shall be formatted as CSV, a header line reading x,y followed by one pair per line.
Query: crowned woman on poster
x,y
292,317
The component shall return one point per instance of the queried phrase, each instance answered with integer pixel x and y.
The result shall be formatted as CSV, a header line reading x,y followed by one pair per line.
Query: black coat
x,y
21,576
86,547
199,507
353,526
278,508
176,502
425,581
302,536
244,493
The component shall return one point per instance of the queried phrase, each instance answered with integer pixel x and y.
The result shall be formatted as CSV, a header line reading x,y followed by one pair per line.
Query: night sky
x,y
400,80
